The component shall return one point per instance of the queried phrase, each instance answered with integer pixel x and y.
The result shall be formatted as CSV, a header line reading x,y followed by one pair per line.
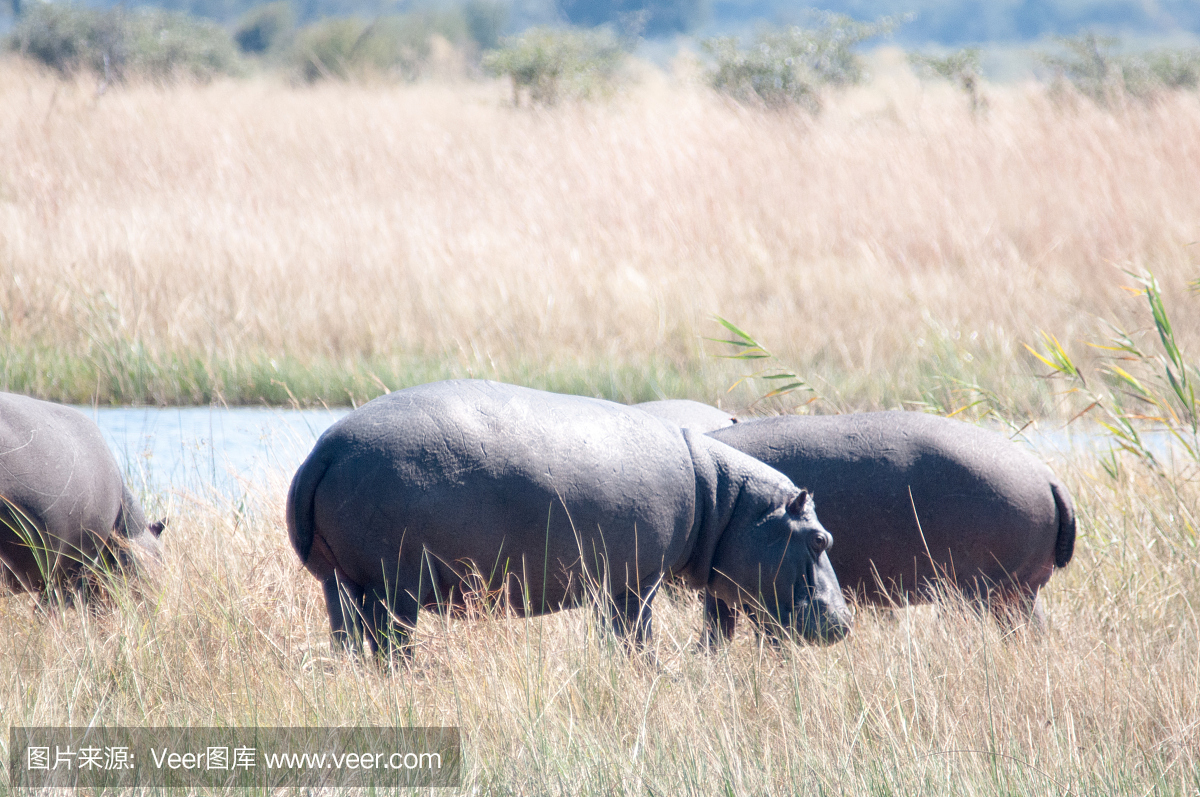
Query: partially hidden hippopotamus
x,y
65,511
543,500
689,414
917,500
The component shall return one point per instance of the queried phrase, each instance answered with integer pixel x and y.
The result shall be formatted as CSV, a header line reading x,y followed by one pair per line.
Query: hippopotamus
x,y
65,511
916,501
428,494
689,414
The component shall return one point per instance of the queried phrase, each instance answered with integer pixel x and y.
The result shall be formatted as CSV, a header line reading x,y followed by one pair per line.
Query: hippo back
x,y
689,414
910,498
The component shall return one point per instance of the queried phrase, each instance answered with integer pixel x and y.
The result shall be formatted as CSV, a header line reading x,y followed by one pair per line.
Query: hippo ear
x,y
156,528
796,505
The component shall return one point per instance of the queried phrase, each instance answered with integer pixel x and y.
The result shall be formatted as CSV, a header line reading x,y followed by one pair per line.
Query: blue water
x,y
199,449
235,450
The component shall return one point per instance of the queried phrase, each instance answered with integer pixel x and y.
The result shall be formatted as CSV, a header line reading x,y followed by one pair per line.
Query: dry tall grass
x,y
880,248
930,700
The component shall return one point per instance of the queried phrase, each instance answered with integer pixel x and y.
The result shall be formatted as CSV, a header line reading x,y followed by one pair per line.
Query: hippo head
x,y
780,565
136,544
145,545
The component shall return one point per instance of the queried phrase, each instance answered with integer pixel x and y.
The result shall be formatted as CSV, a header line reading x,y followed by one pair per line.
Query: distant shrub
x,y
961,68
328,49
555,64
165,44
788,66
392,46
1093,66
1090,65
485,21
1175,69
1148,74
67,38
266,28
118,43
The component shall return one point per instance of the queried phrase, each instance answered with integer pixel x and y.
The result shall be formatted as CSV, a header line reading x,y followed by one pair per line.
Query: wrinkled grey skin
x,y
63,504
436,490
689,414
994,521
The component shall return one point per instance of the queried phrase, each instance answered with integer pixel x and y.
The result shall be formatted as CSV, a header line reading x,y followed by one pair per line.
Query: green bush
x,y
1147,74
1175,69
118,43
328,49
555,64
164,44
266,28
66,38
394,46
788,66
1093,66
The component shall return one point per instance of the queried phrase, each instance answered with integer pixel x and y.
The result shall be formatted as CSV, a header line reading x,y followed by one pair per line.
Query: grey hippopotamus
x,y
64,508
689,414
541,499
915,500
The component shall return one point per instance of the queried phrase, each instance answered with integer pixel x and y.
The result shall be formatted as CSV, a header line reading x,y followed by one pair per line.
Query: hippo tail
x,y
1064,544
301,523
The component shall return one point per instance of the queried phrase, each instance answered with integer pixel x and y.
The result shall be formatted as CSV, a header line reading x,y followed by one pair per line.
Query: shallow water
x,y
234,450
199,449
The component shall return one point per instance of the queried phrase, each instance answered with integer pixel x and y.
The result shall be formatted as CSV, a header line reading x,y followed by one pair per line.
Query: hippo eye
x,y
820,542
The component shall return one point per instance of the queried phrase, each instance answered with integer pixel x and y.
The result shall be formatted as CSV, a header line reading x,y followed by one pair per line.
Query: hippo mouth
x,y
820,624
814,620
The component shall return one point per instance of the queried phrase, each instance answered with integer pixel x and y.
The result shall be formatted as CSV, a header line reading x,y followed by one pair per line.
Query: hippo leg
x,y
25,554
1015,607
390,615
344,602
9,584
1037,617
766,627
630,612
720,621
10,576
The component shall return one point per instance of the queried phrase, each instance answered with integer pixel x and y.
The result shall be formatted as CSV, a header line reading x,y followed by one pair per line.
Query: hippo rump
x,y
915,500
64,509
436,491
689,414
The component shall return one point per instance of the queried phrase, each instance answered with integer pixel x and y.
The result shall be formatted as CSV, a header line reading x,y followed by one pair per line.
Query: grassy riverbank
x,y
249,241
932,700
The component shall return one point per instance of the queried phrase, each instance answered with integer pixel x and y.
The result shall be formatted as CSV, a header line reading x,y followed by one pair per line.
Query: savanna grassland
x,y
247,241
240,240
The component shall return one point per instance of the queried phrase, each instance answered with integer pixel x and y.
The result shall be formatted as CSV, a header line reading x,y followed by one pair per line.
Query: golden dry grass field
x,y
185,244
249,240
932,700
